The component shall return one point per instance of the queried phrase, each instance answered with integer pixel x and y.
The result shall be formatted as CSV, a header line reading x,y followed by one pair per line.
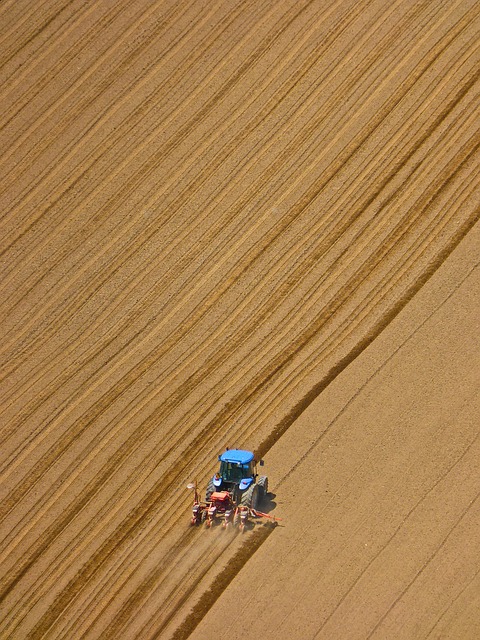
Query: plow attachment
x,y
221,510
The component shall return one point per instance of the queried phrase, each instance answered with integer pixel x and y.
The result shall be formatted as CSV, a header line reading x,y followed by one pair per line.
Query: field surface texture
x,y
251,224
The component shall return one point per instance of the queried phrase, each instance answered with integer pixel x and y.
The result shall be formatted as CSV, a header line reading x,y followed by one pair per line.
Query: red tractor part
x,y
221,508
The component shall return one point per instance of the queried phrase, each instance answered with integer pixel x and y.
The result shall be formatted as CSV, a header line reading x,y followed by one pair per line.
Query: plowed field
x,y
249,224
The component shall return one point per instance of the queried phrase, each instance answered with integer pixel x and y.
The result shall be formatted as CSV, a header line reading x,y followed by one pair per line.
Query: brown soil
x,y
250,224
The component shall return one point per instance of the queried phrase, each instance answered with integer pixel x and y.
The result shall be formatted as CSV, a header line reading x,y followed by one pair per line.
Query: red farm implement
x,y
221,510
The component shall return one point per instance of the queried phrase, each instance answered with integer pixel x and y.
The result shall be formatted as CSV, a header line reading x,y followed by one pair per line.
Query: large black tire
x,y
210,489
263,488
250,497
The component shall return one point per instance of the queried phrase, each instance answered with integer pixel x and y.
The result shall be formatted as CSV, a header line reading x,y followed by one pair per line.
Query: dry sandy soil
x,y
251,224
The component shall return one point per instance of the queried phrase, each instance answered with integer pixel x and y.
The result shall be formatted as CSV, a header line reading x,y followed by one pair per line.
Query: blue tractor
x,y
238,475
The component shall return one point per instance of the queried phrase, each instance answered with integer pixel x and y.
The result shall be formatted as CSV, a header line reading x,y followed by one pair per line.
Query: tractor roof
x,y
237,456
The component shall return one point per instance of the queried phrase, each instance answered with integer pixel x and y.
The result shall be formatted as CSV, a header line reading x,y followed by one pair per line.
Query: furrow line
x,y
38,24
424,566
286,330
301,405
9,18
100,120
251,341
317,294
475,216
188,155
472,580
87,99
399,527
99,151
136,282
398,136
278,394
25,70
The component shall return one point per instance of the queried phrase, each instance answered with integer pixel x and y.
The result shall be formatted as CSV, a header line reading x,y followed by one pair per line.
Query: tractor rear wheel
x,y
263,488
210,490
250,497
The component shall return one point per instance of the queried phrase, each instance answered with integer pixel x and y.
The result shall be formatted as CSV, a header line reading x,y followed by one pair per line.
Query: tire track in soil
x,y
187,192
425,565
98,152
434,267
202,373
209,597
52,73
222,581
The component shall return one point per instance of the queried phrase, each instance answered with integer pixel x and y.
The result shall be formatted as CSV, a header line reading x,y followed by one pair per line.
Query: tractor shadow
x,y
268,503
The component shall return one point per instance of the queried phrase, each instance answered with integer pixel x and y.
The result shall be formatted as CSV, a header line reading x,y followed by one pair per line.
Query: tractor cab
x,y
237,469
